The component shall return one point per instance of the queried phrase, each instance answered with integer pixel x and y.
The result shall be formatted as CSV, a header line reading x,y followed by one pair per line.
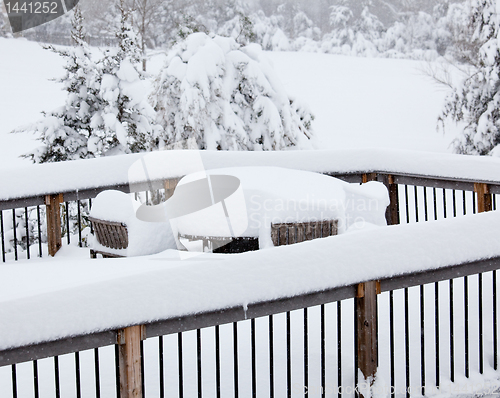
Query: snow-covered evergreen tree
x,y
65,131
353,33
417,36
476,103
236,22
457,27
341,20
268,32
221,95
124,122
4,24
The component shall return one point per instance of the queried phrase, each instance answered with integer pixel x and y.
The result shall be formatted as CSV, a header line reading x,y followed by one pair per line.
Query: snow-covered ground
x,y
358,102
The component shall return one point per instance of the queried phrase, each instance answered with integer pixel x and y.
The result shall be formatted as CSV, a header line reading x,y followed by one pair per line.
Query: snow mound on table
x,y
277,195
143,237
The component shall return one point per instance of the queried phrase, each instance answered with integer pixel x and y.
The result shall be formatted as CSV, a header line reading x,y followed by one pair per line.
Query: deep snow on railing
x,y
82,178
425,186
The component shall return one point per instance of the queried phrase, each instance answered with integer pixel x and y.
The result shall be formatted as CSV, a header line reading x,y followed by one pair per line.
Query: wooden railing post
x,y
367,177
392,211
129,340
54,240
483,197
170,186
366,325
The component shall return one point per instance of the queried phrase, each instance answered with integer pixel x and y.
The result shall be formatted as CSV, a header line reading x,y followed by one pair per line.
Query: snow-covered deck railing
x,y
82,179
55,183
53,313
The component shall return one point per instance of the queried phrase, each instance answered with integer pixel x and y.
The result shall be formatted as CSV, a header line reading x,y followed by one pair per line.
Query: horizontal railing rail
x,y
82,177
483,199
354,177
216,318
235,314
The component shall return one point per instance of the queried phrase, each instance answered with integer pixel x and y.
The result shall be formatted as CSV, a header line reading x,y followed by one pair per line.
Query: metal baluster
x,y
288,356
97,373
444,203
271,357
434,199
143,373
407,205
39,224
466,323
78,377
322,349
407,343
473,202
452,336
356,394
495,330
254,363
79,215
161,366
181,371
416,203
67,222
339,351
2,234
454,204
235,359
91,226
464,203
117,370
426,214
436,321
217,360
481,342
391,342
15,233
56,376
35,379
422,340
14,381
27,233
306,355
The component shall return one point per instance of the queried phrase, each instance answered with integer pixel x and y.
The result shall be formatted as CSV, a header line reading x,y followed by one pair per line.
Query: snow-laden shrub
x,y
106,108
416,37
351,34
4,24
476,102
225,96
123,122
64,132
268,32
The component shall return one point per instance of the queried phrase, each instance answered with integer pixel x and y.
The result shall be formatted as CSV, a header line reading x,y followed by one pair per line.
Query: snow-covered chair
x,y
272,203
296,232
118,232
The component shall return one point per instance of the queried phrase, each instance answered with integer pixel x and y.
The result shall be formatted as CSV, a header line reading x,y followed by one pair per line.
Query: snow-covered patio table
x,y
267,196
